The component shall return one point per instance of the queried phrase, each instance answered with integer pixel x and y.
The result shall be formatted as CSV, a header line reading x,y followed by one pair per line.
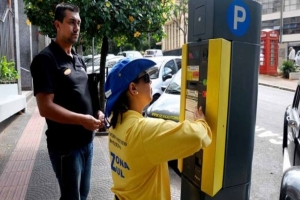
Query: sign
x,y
238,18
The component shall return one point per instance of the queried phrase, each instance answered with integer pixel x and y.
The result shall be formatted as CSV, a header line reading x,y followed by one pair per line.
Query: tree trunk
x,y
104,52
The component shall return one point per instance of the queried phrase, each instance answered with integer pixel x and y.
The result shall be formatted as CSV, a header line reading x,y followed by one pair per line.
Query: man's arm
x,y
54,112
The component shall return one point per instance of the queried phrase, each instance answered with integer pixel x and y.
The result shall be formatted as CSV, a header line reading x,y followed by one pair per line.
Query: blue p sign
x,y
238,18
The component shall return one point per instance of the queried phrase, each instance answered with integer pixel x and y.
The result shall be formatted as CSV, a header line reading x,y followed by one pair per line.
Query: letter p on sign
x,y
239,16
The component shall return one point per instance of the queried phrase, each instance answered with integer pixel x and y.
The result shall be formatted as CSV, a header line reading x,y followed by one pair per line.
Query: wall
x,y
25,48
282,53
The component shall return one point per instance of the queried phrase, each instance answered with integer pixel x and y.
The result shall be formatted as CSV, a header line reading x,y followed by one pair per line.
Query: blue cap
x,y
120,76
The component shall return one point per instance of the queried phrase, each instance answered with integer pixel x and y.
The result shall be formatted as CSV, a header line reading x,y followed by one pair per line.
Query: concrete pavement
x,y
278,82
25,168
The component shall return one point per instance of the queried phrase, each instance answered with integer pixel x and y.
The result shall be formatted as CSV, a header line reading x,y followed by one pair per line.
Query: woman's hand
x,y
198,113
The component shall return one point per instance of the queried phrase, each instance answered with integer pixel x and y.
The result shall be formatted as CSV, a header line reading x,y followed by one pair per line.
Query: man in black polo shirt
x,y
63,98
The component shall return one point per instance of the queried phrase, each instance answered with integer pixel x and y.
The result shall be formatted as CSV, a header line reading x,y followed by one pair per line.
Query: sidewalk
x,y
278,82
25,168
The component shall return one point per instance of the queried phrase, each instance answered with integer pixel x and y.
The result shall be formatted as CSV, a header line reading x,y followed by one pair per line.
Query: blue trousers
x,y
73,171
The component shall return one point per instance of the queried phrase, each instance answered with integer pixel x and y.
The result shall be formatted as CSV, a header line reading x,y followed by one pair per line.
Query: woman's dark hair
x,y
61,8
120,107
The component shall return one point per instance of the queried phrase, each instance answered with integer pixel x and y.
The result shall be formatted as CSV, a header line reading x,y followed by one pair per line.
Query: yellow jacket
x,y
140,149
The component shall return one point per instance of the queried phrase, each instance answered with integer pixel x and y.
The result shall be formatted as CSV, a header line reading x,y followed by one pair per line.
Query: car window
x,y
175,84
178,62
296,97
297,100
149,52
170,67
155,75
96,62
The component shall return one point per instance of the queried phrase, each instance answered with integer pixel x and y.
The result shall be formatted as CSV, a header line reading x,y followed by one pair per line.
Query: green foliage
x,y
124,21
287,67
7,71
128,20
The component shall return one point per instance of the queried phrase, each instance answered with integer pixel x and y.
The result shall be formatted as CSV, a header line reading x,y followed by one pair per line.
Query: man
x,y
292,54
63,98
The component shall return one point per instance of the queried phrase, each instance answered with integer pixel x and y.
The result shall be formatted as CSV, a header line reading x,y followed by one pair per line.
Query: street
x,y
267,157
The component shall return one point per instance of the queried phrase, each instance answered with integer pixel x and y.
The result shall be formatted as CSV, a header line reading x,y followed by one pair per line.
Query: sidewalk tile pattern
x,y
15,177
25,167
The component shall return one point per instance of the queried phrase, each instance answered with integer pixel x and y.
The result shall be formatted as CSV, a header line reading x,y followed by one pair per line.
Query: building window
x,y
290,5
290,25
172,40
270,6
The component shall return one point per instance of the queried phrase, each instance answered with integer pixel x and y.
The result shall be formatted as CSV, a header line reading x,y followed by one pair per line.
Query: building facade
x,y
280,15
284,17
176,29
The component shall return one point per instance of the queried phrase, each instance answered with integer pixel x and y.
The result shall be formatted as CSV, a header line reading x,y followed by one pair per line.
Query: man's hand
x,y
91,123
101,118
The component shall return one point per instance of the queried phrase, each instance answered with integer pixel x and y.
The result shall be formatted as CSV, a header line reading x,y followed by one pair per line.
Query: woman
x,y
141,147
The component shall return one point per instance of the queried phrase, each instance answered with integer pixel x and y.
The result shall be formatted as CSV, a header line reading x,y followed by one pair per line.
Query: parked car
x,y
86,58
111,62
297,59
89,60
168,105
130,54
153,53
97,59
290,183
167,67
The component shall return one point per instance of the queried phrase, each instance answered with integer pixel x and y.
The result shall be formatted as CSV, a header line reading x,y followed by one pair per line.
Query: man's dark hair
x,y
61,8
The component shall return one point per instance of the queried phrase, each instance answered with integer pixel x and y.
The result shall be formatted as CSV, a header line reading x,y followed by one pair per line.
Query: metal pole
x,y
93,55
281,20
93,52
17,43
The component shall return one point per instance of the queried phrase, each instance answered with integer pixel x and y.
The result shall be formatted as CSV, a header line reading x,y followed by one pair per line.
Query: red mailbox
x,y
268,52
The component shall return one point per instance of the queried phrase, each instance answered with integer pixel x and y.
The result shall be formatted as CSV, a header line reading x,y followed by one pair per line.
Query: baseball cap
x,y
121,75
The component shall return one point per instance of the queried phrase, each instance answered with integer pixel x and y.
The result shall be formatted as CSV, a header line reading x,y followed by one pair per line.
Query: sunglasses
x,y
145,77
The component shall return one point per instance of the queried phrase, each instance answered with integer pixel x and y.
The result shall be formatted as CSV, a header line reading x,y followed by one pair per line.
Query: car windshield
x,y
155,75
96,62
149,52
175,85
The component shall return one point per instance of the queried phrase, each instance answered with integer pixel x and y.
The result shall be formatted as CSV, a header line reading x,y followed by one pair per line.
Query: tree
x,y
126,21
180,16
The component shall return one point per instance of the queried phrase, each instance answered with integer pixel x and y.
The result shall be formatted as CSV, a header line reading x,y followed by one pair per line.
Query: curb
x,y
277,86
101,133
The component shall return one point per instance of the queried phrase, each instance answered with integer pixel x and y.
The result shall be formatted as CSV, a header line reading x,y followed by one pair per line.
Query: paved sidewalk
x,y
26,171
278,82
25,168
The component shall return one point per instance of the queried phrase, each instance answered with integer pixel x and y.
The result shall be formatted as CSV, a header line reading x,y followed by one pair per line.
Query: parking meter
x,y
220,73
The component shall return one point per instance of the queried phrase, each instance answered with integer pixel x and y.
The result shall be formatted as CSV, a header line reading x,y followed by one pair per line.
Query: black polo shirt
x,y
53,71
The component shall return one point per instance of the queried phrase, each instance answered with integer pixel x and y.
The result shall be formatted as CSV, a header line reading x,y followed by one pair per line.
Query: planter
x,y
8,90
10,101
294,75
7,82
285,75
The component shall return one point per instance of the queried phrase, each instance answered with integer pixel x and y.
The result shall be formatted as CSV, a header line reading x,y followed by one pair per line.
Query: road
x,y
267,157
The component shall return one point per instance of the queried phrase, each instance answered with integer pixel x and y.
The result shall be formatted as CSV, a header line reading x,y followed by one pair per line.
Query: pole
x,y
281,20
93,55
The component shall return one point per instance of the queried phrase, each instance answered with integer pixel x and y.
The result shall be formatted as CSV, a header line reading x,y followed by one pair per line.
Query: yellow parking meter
x,y
220,73
207,87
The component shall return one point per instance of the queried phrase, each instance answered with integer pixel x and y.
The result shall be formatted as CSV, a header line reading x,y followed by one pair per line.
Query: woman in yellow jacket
x,y
139,147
